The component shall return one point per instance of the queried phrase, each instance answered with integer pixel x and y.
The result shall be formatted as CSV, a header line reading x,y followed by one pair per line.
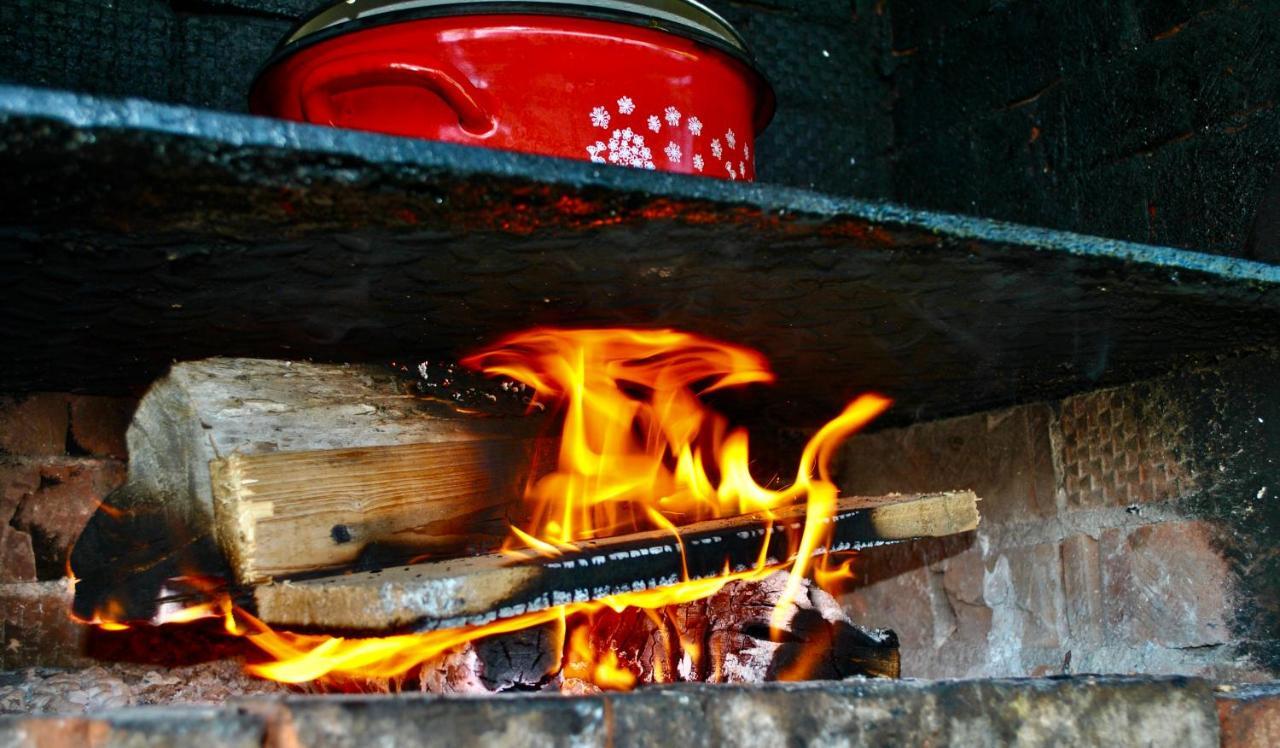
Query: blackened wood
x,y
483,588
524,660
129,551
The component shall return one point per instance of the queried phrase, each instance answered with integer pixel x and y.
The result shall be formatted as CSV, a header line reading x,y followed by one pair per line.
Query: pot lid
x,y
685,17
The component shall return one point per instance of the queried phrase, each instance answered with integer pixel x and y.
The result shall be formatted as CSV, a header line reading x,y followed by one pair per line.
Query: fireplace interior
x,y
202,308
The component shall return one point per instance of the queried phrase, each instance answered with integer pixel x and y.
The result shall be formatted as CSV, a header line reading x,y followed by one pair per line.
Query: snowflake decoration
x,y
742,169
697,161
626,105
673,152
728,166
731,138
716,149
600,117
746,151
695,125
596,152
654,123
627,148
672,116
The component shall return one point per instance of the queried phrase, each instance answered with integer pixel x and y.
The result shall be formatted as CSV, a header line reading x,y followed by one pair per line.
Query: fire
x,y
640,449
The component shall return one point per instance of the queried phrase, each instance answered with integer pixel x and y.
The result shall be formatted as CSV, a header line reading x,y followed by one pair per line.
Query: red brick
x,y
57,511
1030,600
17,555
931,593
34,425
1005,456
901,603
963,584
98,424
1165,584
36,627
1250,717
1082,587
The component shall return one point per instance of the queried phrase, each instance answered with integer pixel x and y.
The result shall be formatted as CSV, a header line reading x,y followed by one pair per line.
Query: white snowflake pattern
x,y
627,148
597,152
695,125
728,166
672,116
746,151
731,138
697,161
742,169
716,149
626,105
673,152
600,117
654,123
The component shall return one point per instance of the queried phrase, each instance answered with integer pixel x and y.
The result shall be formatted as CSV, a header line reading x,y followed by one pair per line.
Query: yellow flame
x,y
602,669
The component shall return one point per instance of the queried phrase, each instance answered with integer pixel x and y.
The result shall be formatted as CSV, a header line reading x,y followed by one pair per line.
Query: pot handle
x,y
350,73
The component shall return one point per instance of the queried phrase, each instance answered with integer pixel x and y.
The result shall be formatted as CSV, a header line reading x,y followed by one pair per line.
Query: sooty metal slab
x,y
135,233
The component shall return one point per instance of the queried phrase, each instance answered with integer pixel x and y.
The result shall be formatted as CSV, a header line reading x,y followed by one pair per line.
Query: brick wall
x,y
60,455
1153,122
1124,530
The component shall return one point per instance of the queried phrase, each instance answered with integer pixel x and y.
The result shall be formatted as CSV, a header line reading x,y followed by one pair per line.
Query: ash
x,y
48,691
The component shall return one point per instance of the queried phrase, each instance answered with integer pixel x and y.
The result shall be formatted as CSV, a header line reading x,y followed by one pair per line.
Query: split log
x,y
381,469
479,589
279,515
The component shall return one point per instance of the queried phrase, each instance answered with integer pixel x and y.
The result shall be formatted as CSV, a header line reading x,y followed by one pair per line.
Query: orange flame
x,y
637,438
639,450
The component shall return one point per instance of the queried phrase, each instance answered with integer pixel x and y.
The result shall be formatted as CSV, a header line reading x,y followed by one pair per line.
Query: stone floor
x,y
1079,710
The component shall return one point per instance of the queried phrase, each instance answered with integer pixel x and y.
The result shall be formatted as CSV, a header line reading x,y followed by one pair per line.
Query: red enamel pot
x,y
654,84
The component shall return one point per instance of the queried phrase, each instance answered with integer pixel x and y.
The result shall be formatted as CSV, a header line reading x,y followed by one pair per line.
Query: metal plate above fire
x,y
137,233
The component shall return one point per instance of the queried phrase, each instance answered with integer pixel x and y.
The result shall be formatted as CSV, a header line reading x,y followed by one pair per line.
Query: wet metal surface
x,y
135,233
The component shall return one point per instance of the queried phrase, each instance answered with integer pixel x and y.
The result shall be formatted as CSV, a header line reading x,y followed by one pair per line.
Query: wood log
x,y
303,512
367,439
483,588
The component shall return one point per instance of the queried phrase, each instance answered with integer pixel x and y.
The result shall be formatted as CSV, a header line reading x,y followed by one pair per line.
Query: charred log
x,y
727,638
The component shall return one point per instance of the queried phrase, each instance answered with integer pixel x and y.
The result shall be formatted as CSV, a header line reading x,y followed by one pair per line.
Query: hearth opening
x,y
638,372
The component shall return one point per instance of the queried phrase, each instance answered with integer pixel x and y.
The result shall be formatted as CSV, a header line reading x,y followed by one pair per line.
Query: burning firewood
x,y
725,638
474,590
317,466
